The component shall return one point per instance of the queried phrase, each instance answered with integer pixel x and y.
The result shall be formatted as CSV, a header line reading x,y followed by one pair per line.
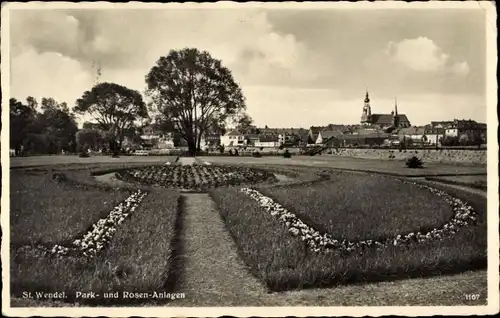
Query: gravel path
x,y
213,274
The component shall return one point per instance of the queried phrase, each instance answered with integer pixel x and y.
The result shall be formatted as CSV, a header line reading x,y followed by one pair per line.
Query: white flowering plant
x,y
101,232
463,215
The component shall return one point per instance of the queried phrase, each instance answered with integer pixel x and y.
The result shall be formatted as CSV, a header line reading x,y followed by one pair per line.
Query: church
x,y
383,121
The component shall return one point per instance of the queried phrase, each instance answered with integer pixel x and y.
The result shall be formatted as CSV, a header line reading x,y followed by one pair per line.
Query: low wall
x,y
428,155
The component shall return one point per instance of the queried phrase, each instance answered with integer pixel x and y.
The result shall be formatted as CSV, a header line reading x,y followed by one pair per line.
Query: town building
x,y
233,138
415,134
210,141
468,127
268,141
326,135
434,134
393,120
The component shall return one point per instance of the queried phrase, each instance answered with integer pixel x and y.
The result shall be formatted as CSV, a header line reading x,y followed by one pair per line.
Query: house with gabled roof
x,y
325,135
233,138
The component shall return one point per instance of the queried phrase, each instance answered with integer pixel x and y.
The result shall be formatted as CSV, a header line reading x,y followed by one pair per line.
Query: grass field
x,y
75,161
283,262
396,168
478,182
46,211
138,259
357,206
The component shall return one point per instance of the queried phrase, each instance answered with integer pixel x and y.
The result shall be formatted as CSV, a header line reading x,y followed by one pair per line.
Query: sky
x,y
296,68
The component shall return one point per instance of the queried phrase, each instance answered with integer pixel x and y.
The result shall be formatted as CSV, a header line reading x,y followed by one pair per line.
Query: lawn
x,y
73,160
478,182
284,262
49,212
396,168
138,258
358,206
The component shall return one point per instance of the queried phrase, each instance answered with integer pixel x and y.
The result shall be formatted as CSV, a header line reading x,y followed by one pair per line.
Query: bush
x,y
414,163
256,154
236,152
83,155
287,154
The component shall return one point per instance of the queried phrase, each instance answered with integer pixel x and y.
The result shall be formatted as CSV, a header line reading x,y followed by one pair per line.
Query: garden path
x,y
186,161
213,273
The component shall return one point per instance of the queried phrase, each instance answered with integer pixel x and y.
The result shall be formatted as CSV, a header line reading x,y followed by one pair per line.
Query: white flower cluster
x,y
463,215
102,231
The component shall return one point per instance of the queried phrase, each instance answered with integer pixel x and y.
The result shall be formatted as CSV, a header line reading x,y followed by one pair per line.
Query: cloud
x,y
423,55
128,42
461,69
48,74
420,54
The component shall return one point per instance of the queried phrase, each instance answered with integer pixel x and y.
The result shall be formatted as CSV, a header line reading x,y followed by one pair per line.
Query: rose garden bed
x,y
354,228
195,177
70,236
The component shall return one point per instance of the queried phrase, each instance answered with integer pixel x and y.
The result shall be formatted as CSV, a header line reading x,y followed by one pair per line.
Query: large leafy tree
x,y
60,123
193,90
49,131
244,123
115,108
21,118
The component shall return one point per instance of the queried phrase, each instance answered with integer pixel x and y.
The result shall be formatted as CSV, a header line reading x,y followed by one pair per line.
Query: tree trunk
x,y
191,147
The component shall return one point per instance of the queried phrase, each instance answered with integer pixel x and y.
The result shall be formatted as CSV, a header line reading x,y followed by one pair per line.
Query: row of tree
x,y
49,129
190,94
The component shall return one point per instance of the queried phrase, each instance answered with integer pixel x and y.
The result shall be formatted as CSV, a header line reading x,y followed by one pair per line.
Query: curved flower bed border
x,y
101,233
195,177
463,215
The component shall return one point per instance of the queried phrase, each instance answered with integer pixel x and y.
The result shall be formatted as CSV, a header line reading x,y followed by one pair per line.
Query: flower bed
x,y
195,177
101,232
284,261
359,206
463,215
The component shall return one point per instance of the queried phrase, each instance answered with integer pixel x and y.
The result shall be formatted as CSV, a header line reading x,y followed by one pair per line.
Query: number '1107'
x,y
471,296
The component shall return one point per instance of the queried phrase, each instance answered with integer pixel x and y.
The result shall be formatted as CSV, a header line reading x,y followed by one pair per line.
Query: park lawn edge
x,y
290,280
474,185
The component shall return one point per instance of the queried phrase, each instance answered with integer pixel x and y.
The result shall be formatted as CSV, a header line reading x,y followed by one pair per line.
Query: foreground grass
x,y
478,182
138,258
283,261
358,206
49,212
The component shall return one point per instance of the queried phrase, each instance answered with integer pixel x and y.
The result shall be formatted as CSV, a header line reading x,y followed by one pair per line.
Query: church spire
x,y
395,118
367,112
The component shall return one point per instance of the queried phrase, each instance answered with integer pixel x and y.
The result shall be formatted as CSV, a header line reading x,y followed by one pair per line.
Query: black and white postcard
x,y
249,159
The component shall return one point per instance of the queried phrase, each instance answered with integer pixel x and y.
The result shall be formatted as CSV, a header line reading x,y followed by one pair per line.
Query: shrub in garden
x,y
236,152
256,154
83,154
287,154
414,163
230,152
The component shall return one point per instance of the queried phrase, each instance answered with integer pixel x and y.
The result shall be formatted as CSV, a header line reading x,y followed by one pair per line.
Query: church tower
x,y
395,117
367,112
